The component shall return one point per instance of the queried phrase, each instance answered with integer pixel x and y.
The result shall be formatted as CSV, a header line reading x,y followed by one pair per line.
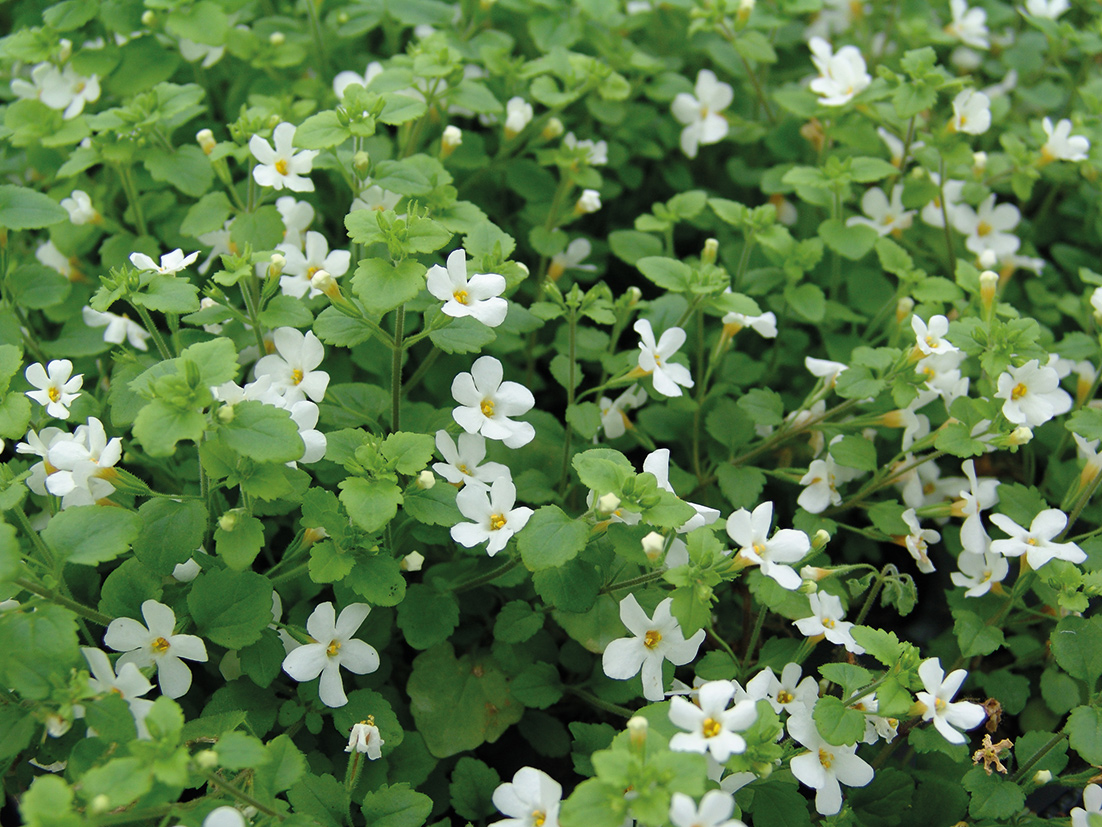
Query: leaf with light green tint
x,y
382,286
25,209
852,242
263,433
231,608
240,544
91,534
396,805
370,503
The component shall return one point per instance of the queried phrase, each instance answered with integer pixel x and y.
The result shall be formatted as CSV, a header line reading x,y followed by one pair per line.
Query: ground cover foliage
x,y
550,413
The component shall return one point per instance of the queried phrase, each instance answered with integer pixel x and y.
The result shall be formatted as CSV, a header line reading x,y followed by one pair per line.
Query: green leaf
x,y
837,723
382,286
231,608
667,273
187,168
571,588
551,538
40,648
741,485
91,534
808,300
321,131
517,622
594,803
764,406
111,718
159,426
882,645
472,788
850,242
631,246
48,803
854,452
1060,692
538,686
287,311
955,438
992,795
434,506
240,544
463,335
777,804
239,751
1077,645
35,286
602,469
378,579
974,635
285,765
396,805
407,452
370,503
585,418
24,209
207,214
263,433
262,660
867,170
858,383
1084,729
263,229
427,616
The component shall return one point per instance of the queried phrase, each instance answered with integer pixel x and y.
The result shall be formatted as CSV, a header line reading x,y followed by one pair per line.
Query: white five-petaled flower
x,y
1036,543
74,464
299,268
1050,9
971,112
571,259
304,414
938,700
486,404
1061,144
825,369
764,324
346,78
365,737
712,727
334,646
1092,805
495,518
80,209
826,619
157,646
282,166
820,485
751,532
917,541
297,216
614,418
882,215
56,390
292,367
930,338
531,799
1032,394
969,25
478,297
826,765
932,213
518,114
842,74
375,198
654,640
791,692
715,810
596,152
980,494
61,89
658,463
463,461
700,112
588,202
129,684
979,572
171,263
988,227
654,358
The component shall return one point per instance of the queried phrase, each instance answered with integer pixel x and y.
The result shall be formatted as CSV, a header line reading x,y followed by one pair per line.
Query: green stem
x,y
571,368
319,41
877,585
396,370
641,580
65,602
241,795
945,218
489,577
158,339
36,540
1036,757
755,636
593,700
132,197
422,369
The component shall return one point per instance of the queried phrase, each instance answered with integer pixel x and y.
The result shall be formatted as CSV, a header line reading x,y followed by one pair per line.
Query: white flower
x,y
1061,144
76,462
495,519
334,646
968,25
980,495
1092,805
988,227
80,209
654,358
821,486
345,79
156,646
571,259
299,268
463,461
789,692
451,139
896,147
478,297
979,572
56,391
765,324
700,112
971,112
658,463
826,619
171,263
532,799
938,697
825,369
826,766
712,727
186,571
884,216
60,89
486,403
518,114
932,213
129,684
596,153
304,414
1032,394
654,641
48,254
192,52
614,418
589,201
365,737
930,338
917,541
282,166
1050,9
751,532
376,198
221,244
715,810
291,368
1036,543
224,816
297,216
842,74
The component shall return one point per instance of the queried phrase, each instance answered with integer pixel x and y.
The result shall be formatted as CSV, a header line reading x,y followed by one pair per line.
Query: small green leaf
x,y
854,452
426,616
851,242
25,209
837,723
91,534
231,608
551,538
370,503
396,805
240,544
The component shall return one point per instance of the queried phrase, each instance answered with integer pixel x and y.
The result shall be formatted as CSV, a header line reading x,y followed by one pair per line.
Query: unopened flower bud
x,y
226,414
361,161
608,503
276,264
323,281
426,480
452,137
412,561
65,50
903,309
637,730
634,294
745,9
653,544
988,259
523,267
100,804
277,38
819,541
589,202
552,129
979,161
148,18
708,254
1021,435
814,573
206,759
1042,777
314,535
808,587
989,282
228,521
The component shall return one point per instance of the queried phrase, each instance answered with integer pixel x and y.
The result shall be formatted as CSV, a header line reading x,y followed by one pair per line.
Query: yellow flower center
x,y
711,728
538,817
460,296
281,166
296,376
310,272
487,407
1031,540
463,470
939,705
160,646
785,697
652,638
497,521
1019,391
826,758
759,549
828,623
333,648
983,228
887,219
54,393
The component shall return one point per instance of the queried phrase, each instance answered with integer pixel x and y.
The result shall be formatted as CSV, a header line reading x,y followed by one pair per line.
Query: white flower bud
x,y
637,730
979,161
608,503
1042,777
65,50
589,202
988,259
228,521
313,535
552,129
653,544
452,137
276,264
426,480
361,161
1021,435
634,294
100,804
903,309
819,541
322,280
711,248
148,18
206,759
277,38
413,561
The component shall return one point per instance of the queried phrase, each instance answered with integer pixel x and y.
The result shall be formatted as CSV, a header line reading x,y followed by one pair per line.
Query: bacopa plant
x,y
550,414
